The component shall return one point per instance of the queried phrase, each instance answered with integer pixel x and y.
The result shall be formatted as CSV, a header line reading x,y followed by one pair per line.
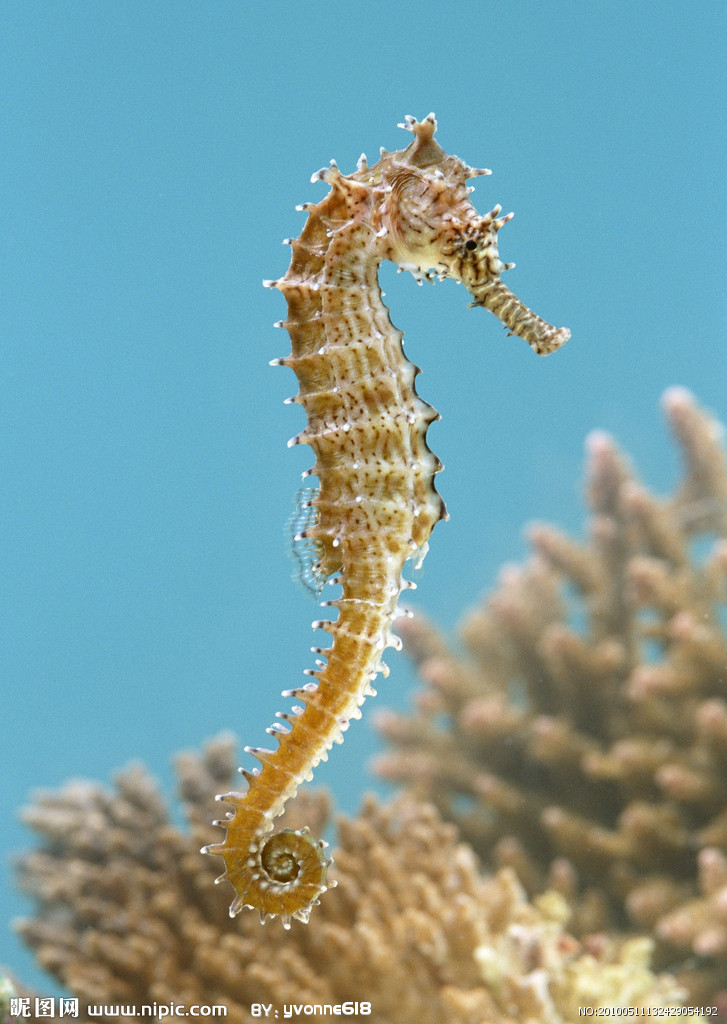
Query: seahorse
x,y
376,503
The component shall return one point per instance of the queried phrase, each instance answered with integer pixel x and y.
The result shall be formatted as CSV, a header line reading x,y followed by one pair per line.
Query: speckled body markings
x,y
377,504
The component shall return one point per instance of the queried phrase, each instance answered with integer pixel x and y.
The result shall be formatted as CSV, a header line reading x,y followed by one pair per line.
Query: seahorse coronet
x,y
377,503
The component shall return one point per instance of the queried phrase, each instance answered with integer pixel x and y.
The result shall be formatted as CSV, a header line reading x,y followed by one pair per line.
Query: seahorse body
x,y
377,503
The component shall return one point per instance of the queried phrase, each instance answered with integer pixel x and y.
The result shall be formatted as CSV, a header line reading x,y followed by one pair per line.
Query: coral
x,y
8,993
128,914
582,736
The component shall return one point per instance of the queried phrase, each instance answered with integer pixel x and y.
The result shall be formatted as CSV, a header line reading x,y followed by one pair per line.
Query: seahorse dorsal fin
x,y
307,551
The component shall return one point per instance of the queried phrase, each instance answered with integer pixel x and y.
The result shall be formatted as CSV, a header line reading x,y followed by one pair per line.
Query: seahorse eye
x,y
470,245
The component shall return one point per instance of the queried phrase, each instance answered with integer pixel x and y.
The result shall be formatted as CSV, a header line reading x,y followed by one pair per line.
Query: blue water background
x,y
151,158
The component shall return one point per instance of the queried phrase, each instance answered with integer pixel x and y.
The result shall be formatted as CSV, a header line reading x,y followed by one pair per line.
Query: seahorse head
x,y
427,217
427,224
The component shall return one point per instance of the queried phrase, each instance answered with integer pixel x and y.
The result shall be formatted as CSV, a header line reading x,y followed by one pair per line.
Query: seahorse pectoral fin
x,y
542,337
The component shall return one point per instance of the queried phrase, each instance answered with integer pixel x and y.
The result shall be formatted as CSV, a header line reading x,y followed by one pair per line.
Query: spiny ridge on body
x,y
376,503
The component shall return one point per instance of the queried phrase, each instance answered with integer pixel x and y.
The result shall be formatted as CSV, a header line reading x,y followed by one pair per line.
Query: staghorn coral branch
x,y
582,739
127,913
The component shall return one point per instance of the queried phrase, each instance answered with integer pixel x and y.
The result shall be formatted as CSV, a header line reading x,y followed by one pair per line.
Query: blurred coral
x,y
582,737
128,914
